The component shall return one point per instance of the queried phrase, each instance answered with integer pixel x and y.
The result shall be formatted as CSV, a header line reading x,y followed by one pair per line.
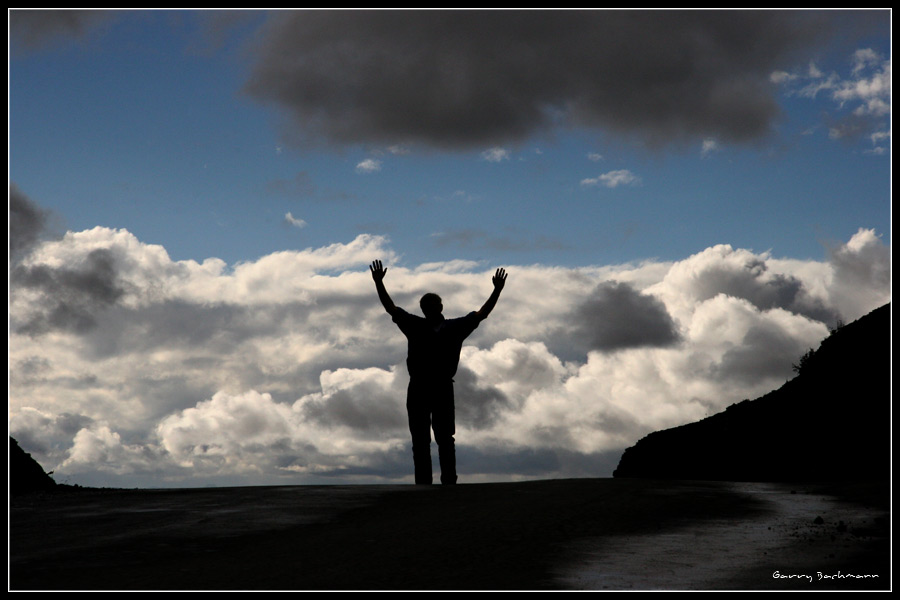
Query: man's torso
x,y
434,345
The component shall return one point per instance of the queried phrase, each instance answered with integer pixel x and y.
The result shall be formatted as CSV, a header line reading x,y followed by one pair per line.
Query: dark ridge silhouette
x,y
25,474
830,422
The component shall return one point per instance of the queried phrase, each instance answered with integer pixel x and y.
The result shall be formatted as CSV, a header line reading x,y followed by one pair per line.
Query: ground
x,y
537,535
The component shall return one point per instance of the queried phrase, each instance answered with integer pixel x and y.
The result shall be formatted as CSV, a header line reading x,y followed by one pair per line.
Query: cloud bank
x,y
129,368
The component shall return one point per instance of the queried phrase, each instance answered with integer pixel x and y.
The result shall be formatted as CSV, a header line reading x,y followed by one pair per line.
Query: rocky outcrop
x,y
830,422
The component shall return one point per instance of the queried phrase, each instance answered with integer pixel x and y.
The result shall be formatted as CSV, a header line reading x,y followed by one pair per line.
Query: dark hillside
x,y
830,422
25,474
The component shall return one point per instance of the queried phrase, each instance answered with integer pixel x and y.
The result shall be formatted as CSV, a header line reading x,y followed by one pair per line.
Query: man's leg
x,y
419,412
444,423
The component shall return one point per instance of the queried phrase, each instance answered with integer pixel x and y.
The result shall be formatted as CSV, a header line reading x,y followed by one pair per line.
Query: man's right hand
x,y
377,270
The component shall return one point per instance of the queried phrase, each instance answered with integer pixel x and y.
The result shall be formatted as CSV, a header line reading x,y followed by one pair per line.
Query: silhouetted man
x,y
434,346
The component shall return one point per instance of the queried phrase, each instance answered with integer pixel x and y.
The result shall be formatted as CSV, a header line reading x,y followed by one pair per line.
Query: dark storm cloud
x,y
34,29
765,352
184,324
466,79
42,434
31,370
749,283
70,298
26,223
617,316
362,409
753,281
369,408
476,406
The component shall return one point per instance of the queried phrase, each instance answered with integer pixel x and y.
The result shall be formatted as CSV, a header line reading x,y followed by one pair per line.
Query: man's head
x,y
431,305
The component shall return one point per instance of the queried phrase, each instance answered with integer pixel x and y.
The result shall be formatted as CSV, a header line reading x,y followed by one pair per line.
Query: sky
x,y
685,202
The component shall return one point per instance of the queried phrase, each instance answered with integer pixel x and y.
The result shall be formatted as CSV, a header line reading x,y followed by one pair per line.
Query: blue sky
x,y
144,122
671,153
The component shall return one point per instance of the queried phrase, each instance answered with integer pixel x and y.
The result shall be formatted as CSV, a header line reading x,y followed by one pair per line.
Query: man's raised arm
x,y
378,273
499,280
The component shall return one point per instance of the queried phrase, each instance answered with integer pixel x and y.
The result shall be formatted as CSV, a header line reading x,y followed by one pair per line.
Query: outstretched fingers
x,y
499,278
377,270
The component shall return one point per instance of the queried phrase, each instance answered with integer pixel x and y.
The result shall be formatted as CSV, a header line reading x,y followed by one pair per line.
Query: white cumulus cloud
x,y
292,220
495,154
613,179
287,368
368,165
